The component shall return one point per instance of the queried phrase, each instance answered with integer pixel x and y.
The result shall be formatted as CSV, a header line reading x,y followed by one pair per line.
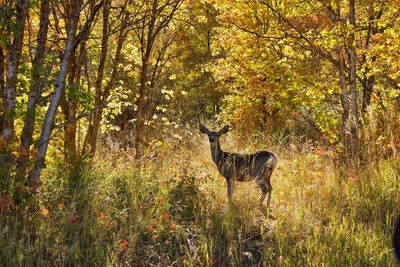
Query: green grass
x,y
175,212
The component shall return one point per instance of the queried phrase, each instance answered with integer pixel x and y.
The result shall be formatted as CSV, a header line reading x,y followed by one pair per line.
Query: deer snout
x,y
212,139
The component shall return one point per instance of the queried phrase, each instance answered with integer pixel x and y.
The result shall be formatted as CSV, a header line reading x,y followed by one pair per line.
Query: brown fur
x,y
242,168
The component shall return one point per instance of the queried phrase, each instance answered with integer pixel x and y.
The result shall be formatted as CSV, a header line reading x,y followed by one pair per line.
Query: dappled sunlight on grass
x,y
175,212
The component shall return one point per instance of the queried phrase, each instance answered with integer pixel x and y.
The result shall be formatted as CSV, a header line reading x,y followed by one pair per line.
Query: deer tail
x,y
269,166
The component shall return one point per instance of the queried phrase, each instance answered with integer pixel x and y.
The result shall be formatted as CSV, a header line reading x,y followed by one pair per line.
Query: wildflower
x,y
319,151
74,220
123,245
5,202
160,200
165,217
44,212
173,226
103,216
152,226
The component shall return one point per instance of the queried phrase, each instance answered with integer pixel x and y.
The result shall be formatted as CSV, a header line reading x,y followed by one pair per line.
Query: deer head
x,y
213,136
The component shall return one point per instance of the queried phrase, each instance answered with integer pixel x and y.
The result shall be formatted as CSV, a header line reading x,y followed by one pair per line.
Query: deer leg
x,y
269,190
264,191
230,189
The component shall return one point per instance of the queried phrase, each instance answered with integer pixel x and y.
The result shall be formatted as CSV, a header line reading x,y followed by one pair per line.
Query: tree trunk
x,y
35,89
146,48
106,93
140,115
353,87
369,81
34,176
346,107
3,99
14,57
157,20
368,88
70,46
68,107
91,136
101,100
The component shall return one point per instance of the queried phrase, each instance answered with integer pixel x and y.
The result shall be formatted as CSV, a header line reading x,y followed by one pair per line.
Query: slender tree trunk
x,y
146,48
106,93
3,99
4,159
68,107
140,115
353,87
101,99
14,57
34,176
70,128
346,106
70,135
70,46
91,136
368,82
368,88
71,108
35,89
157,21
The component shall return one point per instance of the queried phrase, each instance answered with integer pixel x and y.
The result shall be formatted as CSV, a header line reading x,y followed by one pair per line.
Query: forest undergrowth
x,y
174,212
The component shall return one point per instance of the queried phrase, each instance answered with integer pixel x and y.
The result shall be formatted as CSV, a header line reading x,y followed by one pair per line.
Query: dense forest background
x,y
102,163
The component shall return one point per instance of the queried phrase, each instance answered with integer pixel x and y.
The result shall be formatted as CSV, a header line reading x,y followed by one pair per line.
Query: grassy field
x,y
174,212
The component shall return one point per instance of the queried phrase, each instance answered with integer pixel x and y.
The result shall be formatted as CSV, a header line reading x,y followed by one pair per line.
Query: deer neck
x,y
216,152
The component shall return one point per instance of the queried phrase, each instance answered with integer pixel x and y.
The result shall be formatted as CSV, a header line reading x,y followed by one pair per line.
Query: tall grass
x,y
174,211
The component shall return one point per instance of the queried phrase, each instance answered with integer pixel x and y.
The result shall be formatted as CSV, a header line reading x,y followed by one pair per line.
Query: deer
x,y
242,168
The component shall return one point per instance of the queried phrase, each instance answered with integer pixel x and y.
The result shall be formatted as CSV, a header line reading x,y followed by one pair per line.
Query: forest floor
x,y
174,212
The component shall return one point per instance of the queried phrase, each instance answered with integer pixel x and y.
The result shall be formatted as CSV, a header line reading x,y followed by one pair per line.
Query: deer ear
x,y
203,129
224,130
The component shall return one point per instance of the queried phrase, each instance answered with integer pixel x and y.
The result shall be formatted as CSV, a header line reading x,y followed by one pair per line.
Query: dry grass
x,y
175,212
